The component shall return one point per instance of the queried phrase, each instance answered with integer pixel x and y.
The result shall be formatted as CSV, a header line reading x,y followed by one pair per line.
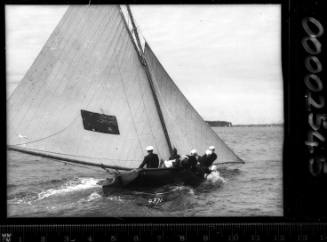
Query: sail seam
x,y
95,85
158,107
147,118
74,119
128,104
42,84
148,74
39,103
155,84
161,79
45,95
65,19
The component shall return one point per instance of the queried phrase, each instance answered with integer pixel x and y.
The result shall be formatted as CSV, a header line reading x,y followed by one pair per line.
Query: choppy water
x,y
40,187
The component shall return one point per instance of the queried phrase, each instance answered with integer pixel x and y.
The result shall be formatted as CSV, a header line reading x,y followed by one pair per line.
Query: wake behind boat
x,y
96,96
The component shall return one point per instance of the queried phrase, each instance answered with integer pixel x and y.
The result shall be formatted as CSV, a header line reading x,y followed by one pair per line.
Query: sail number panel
x,y
99,122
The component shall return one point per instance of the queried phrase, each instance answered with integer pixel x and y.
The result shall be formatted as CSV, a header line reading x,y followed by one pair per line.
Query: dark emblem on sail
x,y
99,122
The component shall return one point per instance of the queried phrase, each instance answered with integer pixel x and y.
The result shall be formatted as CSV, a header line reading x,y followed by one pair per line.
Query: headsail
x,y
87,96
185,126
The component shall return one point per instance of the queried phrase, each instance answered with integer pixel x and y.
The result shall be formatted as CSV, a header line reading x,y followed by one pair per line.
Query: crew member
x,y
205,161
190,161
193,159
175,156
213,155
151,160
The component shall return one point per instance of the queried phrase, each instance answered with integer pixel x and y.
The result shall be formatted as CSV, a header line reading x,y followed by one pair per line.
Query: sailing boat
x,y
94,96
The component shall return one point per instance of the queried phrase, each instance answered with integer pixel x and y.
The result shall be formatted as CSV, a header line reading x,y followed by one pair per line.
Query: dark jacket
x,y
207,160
151,161
204,160
193,161
174,157
177,159
189,162
212,158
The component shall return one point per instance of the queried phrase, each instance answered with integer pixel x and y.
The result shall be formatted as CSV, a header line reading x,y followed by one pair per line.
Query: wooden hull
x,y
154,177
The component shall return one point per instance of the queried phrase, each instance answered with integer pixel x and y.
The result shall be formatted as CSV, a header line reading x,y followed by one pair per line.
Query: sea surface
x,y
41,187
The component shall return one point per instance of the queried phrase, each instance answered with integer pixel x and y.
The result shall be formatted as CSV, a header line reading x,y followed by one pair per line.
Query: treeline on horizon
x,y
229,124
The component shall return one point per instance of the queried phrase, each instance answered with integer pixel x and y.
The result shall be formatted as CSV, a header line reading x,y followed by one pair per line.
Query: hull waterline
x,y
151,178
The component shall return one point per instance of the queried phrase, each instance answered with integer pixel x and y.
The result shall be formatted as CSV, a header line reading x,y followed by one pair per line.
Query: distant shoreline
x,y
229,124
257,125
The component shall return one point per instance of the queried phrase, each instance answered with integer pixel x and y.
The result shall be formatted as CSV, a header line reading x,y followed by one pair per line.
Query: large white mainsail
x,y
186,128
88,97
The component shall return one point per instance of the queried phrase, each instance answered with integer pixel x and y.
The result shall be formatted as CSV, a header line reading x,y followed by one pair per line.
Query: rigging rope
x,y
37,90
74,119
49,136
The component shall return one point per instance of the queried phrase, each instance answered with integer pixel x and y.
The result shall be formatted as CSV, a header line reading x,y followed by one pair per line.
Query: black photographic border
x,y
303,193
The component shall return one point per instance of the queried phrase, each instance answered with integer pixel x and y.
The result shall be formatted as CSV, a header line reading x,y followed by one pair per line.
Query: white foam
x,y
71,186
114,198
20,201
93,196
214,177
183,188
191,191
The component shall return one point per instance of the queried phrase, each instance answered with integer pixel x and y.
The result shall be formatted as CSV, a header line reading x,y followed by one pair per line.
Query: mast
x,y
148,74
135,29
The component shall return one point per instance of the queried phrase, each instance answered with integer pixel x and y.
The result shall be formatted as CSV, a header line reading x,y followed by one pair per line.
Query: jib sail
x,y
187,130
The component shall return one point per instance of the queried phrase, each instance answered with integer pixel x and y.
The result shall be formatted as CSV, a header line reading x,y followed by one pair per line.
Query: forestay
x,y
86,96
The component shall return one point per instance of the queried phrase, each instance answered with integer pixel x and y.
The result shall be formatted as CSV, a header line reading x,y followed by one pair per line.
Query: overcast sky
x,y
226,59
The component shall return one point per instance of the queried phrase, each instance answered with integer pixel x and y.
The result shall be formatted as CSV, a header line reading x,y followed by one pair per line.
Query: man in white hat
x,y
151,160
213,155
193,159
205,162
190,161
